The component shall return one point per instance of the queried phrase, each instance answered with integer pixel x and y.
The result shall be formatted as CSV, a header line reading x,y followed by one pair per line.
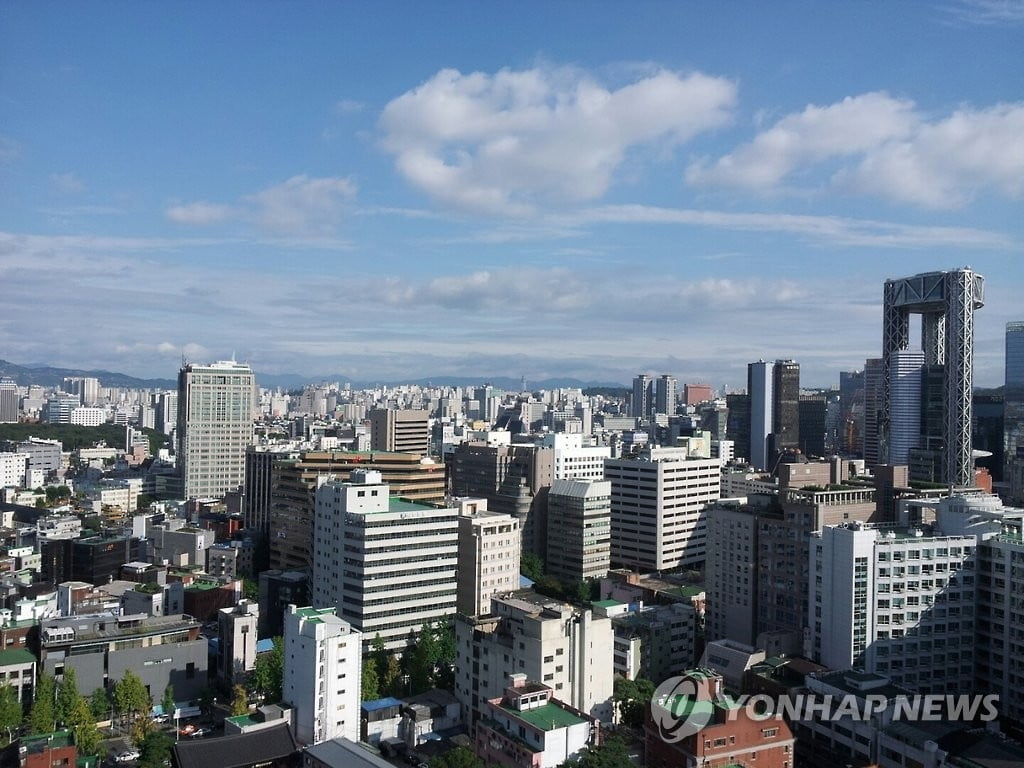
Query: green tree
x,y
421,658
239,701
531,566
99,704
388,670
67,696
131,698
460,757
268,674
250,589
613,753
167,704
82,724
155,750
10,712
632,697
41,717
393,672
370,687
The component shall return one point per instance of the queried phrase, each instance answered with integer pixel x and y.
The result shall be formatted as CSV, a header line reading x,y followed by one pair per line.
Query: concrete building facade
x,y
322,674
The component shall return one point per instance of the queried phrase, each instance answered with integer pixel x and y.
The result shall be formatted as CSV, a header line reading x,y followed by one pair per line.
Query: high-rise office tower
x,y
167,412
759,389
1013,411
87,388
641,402
658,501
665,400
946,302
813,412
785,406
579,529
388,565
738,423
905,404
8,401
404,431
215,406
872,410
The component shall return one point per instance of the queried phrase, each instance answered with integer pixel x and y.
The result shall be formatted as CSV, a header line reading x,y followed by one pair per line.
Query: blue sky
x,y
589,189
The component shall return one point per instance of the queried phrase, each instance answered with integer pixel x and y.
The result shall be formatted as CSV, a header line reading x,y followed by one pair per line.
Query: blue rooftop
x,y
375,704
265,645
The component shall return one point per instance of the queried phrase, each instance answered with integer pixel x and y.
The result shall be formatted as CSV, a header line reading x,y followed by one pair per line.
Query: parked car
x,y
128,756
163,717
200,732
188,729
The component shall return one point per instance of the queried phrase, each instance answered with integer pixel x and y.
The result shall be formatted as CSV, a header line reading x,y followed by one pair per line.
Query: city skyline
x,y
544,190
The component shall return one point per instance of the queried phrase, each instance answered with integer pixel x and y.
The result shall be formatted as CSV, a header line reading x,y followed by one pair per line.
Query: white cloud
x,y
852,126
509,142
300,206
200,213
946,163
67,183
884,147
303,205
988,12
833,230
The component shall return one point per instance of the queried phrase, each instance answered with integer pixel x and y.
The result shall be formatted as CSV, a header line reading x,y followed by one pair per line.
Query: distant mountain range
x,y
49,376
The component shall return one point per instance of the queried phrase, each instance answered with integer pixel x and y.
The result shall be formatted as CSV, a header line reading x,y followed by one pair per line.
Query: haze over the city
x,y
586,190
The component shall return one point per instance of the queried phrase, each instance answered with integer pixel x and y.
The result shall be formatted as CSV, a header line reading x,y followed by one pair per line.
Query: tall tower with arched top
x,y
946,302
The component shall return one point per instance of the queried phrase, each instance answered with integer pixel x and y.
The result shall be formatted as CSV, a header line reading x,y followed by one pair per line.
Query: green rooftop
x,y
17,656
243,721
607,603
546,718
313,614
689,590
396,504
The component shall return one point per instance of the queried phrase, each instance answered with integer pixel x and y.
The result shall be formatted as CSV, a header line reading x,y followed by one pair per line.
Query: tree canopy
x,y
41,717
631,697
268,675
10,712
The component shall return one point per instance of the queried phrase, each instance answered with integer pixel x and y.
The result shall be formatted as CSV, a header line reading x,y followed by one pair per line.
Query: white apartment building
x,y
88,417
215,409
573,460
322,674
895,602
489,554
14,469
387,565
566,648
579,529
658,500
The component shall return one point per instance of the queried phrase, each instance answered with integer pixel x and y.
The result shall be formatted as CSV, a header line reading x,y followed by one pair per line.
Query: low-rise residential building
x,y
653,642
527,727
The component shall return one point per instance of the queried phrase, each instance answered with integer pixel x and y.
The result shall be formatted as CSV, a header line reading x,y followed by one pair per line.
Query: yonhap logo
x,y
676,710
